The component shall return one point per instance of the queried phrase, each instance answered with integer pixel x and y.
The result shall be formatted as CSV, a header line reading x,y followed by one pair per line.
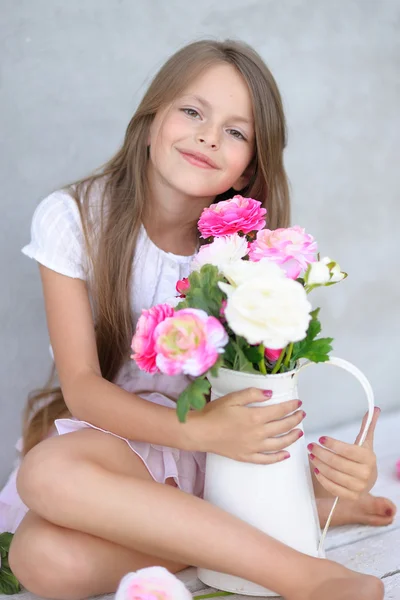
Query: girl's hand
x,y
346,470
245,433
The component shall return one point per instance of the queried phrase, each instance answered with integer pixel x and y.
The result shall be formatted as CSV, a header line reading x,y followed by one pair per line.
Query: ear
x,y
245,178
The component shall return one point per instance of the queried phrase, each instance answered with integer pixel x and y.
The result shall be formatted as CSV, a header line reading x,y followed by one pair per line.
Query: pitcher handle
x,y
347,366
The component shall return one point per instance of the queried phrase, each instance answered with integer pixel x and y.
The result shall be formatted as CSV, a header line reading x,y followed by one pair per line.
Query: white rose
x,y
318,274
274,311
224,249
324,271
240,271
336,273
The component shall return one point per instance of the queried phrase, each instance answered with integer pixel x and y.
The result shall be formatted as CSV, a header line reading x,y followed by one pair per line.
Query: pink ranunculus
x,y
182,286
272,355
231,216
152,583
189,342
143,342
291,248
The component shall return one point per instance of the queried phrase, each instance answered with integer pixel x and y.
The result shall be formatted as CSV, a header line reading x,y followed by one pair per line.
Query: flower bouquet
x,y
244,307
243,319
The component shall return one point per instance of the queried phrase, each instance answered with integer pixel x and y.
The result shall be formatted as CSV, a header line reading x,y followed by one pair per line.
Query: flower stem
x,y
289,355
261,364
278,362
213,595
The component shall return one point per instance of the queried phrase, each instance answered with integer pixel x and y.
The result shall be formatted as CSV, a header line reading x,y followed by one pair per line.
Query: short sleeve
x,y
57,240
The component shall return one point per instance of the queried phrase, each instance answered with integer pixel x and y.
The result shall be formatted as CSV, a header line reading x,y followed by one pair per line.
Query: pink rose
x,y
231,216
143,341
291,248
272,355
152,583
182,286
189,342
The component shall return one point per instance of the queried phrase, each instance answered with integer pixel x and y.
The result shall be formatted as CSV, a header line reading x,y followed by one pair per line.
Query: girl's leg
x,y
54,562
70,482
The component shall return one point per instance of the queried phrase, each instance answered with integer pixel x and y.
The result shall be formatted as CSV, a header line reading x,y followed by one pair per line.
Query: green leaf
x,y
183,405
217,365
316,350
192,396
229,354
319,350
5,542
9,584
241,362
204,292
254,353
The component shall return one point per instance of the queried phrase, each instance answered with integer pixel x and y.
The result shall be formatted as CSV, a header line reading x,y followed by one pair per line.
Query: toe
x,y
382,507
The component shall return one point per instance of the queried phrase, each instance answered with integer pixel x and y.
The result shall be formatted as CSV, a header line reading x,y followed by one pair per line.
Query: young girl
x,y
210,125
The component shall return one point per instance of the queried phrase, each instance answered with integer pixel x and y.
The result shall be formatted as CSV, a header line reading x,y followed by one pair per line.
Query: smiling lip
x,y
198,159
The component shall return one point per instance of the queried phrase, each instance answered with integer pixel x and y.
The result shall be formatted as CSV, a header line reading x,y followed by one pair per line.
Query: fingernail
x,y
304,414
286,456
311,456
310,446
267,393
316,471
299,404
388,512
300,434
377,409
322,440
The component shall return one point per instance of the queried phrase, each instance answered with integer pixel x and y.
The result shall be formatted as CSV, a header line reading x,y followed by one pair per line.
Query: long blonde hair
x,y
124,195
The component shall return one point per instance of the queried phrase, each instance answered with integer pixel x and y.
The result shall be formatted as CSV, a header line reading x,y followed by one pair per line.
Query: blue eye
x,y
240,136
190,111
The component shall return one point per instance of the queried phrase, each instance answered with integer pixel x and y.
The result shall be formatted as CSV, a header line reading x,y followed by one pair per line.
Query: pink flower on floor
x,y
272,355
231,216
152,583
189,342
143,342
182,286
291,248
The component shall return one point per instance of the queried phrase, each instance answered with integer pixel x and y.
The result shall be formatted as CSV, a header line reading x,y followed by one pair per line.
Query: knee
x,y
45,567
44,479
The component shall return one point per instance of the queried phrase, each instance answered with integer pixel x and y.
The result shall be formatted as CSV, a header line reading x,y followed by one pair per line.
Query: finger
x,y
268,459
250,395
369,439
339,463
274,428
343,479
358,454
284,441
334,488
266,414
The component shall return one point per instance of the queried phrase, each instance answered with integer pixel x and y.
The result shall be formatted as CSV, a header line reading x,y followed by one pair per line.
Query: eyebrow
x,y
208,105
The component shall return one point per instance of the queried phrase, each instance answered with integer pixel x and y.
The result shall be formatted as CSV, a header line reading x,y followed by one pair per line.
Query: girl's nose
x,y
209,138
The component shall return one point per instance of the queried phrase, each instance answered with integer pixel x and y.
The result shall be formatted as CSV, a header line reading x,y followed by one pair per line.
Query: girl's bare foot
x,y
331,581
367,510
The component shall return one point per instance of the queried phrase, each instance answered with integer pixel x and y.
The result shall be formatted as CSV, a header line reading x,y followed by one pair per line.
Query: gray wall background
x,y
72,74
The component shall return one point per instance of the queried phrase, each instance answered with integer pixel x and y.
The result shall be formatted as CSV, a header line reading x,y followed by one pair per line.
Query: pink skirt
x,y
186,468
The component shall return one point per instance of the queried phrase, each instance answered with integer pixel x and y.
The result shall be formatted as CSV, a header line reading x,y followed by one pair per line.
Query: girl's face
x,y
211,121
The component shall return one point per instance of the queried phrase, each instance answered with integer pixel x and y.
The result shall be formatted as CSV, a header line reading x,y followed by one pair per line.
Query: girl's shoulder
x,y
57,237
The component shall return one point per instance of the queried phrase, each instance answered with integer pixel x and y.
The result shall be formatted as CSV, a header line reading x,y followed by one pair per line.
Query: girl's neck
x,y
170,217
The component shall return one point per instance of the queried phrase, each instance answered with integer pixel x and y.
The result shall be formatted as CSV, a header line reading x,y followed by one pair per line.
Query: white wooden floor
x,y
371,550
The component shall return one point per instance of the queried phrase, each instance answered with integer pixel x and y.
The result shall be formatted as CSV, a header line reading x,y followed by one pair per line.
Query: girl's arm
x,y
89,396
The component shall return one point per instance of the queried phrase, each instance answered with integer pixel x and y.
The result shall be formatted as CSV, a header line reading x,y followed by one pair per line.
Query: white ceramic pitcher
x,y
278,498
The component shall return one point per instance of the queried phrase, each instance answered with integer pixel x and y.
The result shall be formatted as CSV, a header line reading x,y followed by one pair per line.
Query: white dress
x,y
57,242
